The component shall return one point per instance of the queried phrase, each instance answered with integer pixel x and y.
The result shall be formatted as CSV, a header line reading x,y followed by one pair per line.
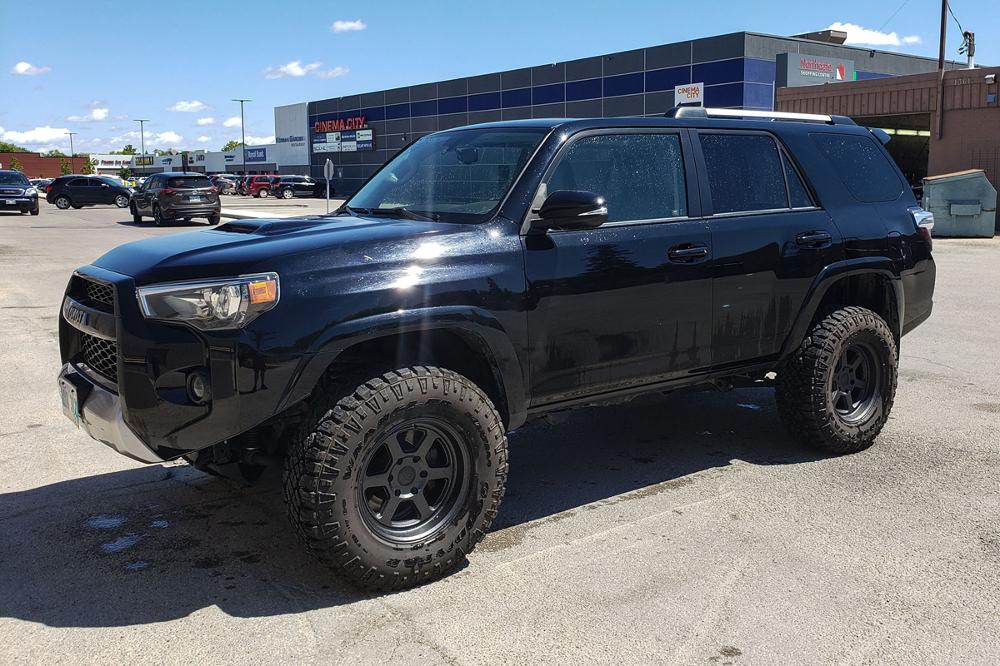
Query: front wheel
x,y
136,218
393,482
837,390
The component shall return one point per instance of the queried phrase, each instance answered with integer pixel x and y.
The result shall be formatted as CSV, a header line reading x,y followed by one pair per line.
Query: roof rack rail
x,y
701,112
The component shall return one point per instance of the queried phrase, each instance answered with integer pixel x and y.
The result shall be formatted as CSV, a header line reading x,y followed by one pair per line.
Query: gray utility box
x,y
964,204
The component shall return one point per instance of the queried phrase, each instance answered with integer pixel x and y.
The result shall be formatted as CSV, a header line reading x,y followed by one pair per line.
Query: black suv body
x,y
287,187
175,195
490,275
77,191
17,193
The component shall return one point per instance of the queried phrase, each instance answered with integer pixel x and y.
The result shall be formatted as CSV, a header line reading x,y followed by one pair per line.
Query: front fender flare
x,y
476,325
881,266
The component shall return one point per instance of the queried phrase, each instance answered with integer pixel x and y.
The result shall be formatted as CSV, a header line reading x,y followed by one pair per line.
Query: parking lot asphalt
x,y
684,529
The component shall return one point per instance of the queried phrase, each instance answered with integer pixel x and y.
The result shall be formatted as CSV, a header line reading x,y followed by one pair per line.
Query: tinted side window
x,y
641,176
861,165
798,195
744,172
78,182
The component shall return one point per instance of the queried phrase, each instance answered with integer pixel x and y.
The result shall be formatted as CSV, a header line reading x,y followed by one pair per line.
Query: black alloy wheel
x,y
854,383
414,480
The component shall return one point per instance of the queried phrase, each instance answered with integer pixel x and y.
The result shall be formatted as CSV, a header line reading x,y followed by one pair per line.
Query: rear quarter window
x,y
861,165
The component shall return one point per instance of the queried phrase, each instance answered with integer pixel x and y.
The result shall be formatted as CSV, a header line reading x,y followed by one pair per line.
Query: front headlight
x,y
30,192
211,304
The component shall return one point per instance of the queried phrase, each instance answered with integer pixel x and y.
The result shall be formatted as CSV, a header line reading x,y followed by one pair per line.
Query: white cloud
x,y
24,68
125,138
187,107
204,139
167,137
206,121
860,36
37,135
348,26
95,114
259,140
296,69
334,73
233,121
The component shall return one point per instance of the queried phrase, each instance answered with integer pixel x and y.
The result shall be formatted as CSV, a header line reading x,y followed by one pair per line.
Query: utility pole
x,y
243,134
71,153
940,91
142,141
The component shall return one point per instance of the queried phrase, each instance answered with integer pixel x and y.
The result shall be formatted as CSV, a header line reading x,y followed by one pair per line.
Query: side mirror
x,y
571,209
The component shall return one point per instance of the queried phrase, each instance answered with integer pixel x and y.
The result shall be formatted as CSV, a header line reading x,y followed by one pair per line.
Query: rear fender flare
x,y
831,275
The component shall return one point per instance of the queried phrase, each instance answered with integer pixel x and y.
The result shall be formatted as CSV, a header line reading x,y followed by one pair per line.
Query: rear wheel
x,y
393,483
62,202
837,390
287,193
263,194
121,201
214,219
158,217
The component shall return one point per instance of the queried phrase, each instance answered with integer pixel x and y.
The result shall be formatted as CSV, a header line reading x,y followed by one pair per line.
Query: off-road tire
x,y
803,389
325,464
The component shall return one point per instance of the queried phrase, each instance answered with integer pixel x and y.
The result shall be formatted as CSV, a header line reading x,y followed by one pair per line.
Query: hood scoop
x,y
271,227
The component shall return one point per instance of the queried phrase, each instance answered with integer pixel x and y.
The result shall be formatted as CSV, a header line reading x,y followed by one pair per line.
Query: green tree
x,y
11,148
88,166
129,149
55,153
65,166
16,165
231,145
125,173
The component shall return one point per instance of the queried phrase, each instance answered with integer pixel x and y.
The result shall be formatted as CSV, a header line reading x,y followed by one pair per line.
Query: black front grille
x,y
101,293
100,355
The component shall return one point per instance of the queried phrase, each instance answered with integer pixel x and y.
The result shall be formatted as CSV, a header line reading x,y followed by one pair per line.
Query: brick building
x,y
38,166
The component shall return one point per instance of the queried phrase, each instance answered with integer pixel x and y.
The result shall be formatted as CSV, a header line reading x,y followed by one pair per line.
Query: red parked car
x,y
260,186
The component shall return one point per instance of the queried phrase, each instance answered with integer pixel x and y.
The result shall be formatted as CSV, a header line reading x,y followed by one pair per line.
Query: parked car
x,y
176,195
17,192
287,187
261,186
242,184
490,275
77,191
319,188
225,184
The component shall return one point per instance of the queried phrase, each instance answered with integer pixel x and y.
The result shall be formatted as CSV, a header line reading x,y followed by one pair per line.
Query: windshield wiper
x,y
400,212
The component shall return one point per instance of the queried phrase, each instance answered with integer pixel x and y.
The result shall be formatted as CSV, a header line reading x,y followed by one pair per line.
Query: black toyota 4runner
x,y
486,276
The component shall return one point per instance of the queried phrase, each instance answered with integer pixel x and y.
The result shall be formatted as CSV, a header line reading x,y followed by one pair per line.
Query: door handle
x,y
687,252
814,239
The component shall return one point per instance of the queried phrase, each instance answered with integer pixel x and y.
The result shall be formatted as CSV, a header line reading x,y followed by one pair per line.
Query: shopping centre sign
x,y
796,69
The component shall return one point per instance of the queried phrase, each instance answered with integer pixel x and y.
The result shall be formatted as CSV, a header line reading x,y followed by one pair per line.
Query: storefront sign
x,y
256,154
144,161
796,69
294,140
344,142
338,124
691,94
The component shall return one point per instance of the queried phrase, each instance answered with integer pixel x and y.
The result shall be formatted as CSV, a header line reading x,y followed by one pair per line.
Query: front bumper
x,y
21,204
100,416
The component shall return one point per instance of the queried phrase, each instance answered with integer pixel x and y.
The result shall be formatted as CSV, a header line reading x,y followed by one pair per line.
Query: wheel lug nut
x,y
423,474
416,459
397,492
413,491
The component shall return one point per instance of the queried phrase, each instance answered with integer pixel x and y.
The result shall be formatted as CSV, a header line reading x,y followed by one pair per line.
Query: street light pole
x,y
142,141
71,153
243,133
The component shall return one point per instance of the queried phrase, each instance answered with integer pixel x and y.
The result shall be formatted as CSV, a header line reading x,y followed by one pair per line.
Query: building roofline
x,y
854,47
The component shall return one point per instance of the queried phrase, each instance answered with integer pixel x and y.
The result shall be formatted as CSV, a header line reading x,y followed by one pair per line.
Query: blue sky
x,y
92,67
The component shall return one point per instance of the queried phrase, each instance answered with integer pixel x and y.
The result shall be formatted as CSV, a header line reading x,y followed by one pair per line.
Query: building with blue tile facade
x,y
738,70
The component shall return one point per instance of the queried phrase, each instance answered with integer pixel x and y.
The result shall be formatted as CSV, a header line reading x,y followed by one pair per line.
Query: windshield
x,y
15,178
457,176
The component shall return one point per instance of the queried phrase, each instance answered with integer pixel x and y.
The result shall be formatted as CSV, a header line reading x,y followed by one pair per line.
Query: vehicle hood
x,y
248,246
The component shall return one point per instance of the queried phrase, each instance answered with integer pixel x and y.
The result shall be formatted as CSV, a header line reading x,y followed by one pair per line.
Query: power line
x,y
898,9
956,19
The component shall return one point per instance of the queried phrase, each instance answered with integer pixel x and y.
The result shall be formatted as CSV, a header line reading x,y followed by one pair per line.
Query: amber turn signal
x,y
265,291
